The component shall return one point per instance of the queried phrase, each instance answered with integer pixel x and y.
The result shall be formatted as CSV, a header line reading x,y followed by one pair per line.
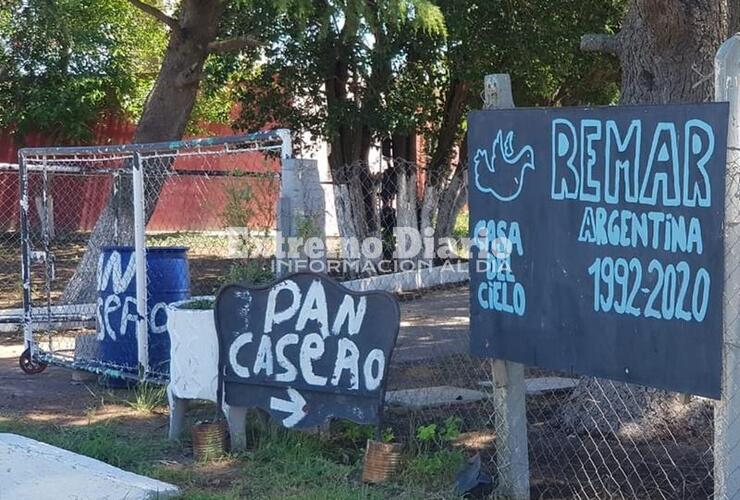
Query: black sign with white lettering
x,y
306,349
598,241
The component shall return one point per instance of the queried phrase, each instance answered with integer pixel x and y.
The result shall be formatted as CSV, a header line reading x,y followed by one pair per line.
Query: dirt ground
x,y
54,395
50,395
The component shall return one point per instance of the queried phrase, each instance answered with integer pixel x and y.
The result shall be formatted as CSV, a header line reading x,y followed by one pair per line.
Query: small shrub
x,y
147,397
426,433
451,429
199,304
252,272
432,435
438,467
237,210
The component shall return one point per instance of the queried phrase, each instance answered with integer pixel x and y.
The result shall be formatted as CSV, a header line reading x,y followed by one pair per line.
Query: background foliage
x,y
536,41
65,62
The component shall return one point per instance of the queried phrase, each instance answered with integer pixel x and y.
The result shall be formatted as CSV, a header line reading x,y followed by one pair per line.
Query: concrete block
x,y
426,397
34,470
540,385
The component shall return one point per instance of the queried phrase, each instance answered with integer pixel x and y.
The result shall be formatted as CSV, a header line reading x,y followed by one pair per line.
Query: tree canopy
x,y
64,62
399,59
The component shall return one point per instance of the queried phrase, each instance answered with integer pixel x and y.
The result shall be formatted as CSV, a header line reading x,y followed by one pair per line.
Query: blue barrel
x,y
168,280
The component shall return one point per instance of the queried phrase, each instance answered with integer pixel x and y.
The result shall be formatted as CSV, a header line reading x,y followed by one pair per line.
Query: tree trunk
x,y
448,186
666,49
164,118
452,198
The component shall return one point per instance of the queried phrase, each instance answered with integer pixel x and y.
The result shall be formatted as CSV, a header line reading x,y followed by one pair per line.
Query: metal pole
x,y
25,255
727,410
46,239
116,180
140,256
284,208
286,148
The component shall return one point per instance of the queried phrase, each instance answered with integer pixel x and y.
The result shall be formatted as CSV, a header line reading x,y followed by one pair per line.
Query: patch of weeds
x,y
198,304
353,434
451,429
433,463
147,397
432,436
426,434
251,272
289,464
281,464
436,469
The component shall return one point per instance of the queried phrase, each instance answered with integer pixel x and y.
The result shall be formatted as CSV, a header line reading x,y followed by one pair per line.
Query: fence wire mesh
x,y
213,200
223,209
587,438
10,261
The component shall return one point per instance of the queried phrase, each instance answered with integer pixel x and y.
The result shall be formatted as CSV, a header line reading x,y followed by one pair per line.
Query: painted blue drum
x,y
168,280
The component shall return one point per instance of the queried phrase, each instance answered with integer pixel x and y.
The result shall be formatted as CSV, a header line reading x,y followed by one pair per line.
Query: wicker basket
x,y
209,440
381,461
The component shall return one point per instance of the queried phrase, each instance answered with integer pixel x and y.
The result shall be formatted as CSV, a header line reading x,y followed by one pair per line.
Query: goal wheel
x,y
29,365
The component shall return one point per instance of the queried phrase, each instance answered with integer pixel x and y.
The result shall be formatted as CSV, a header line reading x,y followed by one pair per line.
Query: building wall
x,y
187,202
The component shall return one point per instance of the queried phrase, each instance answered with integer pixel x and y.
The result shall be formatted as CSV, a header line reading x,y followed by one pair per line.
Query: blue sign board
x,y
597,241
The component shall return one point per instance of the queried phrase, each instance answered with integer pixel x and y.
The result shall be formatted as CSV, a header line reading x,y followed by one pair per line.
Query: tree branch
x,y
235,44
157,14
607,44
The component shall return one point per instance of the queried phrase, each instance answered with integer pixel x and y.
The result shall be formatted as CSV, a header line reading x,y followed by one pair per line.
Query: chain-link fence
x,y
587,438
10,262
204,209
394,215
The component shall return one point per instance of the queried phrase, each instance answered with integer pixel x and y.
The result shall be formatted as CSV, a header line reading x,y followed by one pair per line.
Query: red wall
x,y
187,202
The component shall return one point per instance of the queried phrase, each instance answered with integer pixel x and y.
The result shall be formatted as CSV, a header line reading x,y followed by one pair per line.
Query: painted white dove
x,y
503,174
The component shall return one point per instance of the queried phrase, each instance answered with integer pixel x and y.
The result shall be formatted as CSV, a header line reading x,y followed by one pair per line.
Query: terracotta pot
x,y
381,461
209,440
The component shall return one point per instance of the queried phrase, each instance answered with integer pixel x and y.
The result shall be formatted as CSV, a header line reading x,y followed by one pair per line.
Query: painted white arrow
x,y
294,406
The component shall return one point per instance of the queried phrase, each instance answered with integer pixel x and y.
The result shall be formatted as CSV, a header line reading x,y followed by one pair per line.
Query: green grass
x,y
436,468
281,464
147,397
105,441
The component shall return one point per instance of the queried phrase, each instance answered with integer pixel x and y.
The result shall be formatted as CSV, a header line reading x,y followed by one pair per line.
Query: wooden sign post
x,y
509,392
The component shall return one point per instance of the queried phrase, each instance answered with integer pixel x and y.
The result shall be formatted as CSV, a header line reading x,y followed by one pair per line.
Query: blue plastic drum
x,y
168,280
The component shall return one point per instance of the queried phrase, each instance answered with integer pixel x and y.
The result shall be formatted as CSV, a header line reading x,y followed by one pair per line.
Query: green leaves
x,y
387,66
327,67
65,62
